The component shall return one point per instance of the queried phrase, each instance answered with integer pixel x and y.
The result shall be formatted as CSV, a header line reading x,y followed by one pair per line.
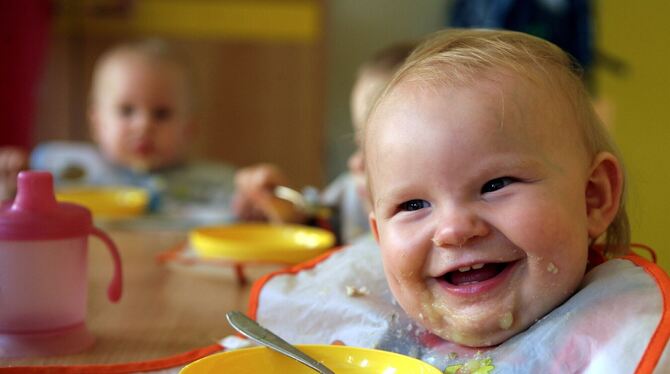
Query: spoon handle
x,y
291,195
261,335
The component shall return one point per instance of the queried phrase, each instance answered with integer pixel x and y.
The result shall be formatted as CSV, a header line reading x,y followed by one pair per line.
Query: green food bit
x,y
474,366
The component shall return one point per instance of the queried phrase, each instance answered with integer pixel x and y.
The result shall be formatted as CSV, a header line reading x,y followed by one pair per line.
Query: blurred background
x,y
274,76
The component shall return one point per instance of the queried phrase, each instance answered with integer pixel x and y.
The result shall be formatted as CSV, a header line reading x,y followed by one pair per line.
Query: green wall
x,y
639,33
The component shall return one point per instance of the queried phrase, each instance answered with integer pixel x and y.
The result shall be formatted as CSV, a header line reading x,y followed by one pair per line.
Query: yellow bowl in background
x,y
107,201
340,359
289,244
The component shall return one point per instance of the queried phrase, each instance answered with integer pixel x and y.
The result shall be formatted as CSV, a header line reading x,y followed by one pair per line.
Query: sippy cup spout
x,y
35,192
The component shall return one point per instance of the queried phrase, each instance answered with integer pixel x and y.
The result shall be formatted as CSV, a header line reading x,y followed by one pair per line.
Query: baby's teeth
x,y
468,268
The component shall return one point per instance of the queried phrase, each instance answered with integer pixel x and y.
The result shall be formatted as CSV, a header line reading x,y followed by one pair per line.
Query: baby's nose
x,y
457,227
142,122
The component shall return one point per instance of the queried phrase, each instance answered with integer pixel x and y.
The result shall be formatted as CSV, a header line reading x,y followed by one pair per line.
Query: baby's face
x,y
138,114
479,205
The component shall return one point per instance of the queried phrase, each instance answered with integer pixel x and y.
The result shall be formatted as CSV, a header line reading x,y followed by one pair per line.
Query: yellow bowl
x,y
289,244
107,201
340,359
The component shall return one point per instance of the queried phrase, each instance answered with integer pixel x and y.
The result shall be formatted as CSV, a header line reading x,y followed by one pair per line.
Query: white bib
x,y
606,327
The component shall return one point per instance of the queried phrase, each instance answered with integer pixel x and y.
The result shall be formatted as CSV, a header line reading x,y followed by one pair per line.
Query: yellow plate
x,y
340,359
108,201
261,242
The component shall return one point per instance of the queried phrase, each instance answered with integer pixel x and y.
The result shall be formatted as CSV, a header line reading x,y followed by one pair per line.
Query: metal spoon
x,y
261,335
295,197
307,202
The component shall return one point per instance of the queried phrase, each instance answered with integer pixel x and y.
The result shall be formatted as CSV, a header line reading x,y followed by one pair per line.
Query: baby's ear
x,y
373,226
603,192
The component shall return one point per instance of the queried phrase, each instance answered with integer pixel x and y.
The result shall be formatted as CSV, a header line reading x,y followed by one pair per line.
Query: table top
x,y
162,312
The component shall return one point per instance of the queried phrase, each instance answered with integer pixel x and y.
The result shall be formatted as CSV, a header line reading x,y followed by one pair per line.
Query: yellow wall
x,y
638,33
269,20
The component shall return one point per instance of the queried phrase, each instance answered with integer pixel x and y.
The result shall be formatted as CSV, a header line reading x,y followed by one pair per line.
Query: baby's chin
x,y
478,333
479,339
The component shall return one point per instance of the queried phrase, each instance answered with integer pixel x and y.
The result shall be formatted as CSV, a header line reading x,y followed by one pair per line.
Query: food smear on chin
x,y
506,320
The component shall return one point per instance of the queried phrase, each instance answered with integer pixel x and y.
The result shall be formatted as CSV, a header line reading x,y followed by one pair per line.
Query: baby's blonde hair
x,y
461,56
155,52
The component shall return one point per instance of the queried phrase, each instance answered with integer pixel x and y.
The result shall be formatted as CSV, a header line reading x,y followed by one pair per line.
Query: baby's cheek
x,y
397,271
535,231
404,258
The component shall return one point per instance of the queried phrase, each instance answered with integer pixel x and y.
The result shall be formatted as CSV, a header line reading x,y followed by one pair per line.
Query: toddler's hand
x,y
12,161
254,198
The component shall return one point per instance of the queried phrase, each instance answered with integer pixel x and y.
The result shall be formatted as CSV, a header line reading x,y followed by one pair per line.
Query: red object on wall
x,y
24,28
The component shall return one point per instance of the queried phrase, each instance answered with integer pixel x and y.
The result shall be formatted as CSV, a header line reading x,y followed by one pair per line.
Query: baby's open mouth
x,y
475,273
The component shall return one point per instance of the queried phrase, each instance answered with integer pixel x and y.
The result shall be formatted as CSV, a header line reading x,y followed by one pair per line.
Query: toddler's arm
x,y
12,161
255,199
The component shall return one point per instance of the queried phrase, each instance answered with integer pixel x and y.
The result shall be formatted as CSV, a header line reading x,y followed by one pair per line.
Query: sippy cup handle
x,y
116,285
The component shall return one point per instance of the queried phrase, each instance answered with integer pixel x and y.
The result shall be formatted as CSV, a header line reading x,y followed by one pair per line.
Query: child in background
x,y
491,181
142,121
347,194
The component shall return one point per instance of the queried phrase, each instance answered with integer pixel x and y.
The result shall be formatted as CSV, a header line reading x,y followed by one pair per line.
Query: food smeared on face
x,y
471,185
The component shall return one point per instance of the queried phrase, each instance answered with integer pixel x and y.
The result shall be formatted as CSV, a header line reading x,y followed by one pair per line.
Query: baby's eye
x,y
413,205
126,110
496,184
162,113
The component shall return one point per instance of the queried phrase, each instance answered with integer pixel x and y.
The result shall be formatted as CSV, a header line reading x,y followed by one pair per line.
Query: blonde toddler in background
x,y
142,122
347,194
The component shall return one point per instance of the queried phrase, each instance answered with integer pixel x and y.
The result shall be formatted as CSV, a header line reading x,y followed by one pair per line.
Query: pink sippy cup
x,y
43,271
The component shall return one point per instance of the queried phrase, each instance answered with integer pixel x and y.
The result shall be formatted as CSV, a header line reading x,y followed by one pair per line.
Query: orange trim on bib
x,y
258,285
132,367
659,339
648,249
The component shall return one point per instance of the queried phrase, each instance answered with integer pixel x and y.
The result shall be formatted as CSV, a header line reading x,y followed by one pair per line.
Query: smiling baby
x,y
497,205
